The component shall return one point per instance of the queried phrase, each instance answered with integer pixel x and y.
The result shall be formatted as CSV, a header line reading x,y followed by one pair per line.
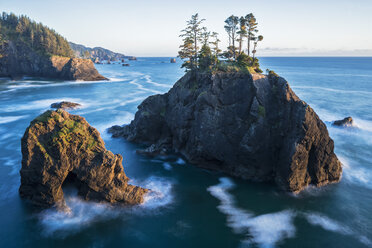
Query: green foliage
x,y
271,73
192,35
22,30
207,61
261,111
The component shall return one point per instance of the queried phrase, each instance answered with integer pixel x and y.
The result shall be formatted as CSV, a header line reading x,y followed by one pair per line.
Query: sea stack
x,y
251,126
59,147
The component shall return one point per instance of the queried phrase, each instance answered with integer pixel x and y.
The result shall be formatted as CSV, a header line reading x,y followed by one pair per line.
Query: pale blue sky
x,y
151,28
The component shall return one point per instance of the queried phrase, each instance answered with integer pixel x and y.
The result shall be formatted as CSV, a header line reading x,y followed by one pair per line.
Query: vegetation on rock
x,y
200,48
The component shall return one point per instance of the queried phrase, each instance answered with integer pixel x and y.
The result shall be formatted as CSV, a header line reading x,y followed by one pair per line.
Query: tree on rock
x,y
192,36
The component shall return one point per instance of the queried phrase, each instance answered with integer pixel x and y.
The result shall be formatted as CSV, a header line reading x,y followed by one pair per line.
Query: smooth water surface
x,y
194,207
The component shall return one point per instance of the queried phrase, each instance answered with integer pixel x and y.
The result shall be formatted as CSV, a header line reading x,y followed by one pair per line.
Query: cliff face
x,y
19,60
253,127
60,148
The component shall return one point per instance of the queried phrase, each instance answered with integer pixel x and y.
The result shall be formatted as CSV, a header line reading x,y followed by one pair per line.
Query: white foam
x,y
328,224
180,161
7,119
160,194
266,230
167,166
356,174
149,81
81,214
141,87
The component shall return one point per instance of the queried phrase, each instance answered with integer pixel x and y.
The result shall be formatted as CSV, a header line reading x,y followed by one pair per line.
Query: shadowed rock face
x,y
253,127
59,147
346,122
65,105
18,61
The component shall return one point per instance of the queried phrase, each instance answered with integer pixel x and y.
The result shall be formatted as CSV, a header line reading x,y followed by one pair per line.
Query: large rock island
x,y
59,148
249,126
31,49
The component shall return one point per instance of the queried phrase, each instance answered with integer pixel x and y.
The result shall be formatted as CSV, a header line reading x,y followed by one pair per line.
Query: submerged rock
x,y
58,148
252,127
346,122
65,105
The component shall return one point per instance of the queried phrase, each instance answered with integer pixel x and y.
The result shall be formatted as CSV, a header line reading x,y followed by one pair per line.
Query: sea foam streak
x,y
7,119
266,230
82,213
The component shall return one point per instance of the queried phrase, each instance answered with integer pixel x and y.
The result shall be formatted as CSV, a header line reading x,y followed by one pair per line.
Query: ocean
x,y
193,207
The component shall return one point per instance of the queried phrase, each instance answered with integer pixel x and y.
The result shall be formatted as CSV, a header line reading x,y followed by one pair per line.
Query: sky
x,y
152,28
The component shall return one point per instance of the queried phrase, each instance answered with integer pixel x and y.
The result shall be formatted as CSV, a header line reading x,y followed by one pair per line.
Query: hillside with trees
x,y
200,48
28,48
23,31
96,54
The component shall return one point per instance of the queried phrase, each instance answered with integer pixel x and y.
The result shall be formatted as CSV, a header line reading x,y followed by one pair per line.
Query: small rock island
x,y
226,115
58,148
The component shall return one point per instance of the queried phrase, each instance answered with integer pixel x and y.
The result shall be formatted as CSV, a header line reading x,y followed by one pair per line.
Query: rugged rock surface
x,y
59,147
346,122
253,127
19,60
65,105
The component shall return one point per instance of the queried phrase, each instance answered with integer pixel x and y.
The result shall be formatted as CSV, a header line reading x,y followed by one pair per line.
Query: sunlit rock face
x,y
60,148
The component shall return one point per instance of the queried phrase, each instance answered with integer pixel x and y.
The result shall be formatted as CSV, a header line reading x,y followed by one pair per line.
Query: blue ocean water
x,y
192,207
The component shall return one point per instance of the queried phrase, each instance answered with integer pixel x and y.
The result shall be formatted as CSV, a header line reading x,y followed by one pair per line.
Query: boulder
x,y
249,126
65,105
59,148
346,122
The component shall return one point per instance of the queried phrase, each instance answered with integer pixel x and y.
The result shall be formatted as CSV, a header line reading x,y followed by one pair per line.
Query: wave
x,y
141,87
83,214
8,119
167,166
269,229
149,81
265,230
328,224
356,174
348,92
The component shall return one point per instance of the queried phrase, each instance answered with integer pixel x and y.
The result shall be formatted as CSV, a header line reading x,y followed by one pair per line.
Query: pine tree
x,y
251,24
214,42
231,28
242,33
258,39
191,35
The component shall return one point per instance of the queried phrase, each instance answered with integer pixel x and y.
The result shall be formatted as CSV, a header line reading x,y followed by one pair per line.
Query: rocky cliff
x,y
96,53
60,148
252,127
20,60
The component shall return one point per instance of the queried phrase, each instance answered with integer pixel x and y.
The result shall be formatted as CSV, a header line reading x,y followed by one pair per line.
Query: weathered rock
x,y
252,127
65,105
18,61
58,147
346,122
